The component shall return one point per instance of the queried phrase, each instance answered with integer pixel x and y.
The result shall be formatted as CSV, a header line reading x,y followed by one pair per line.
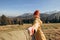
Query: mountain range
x,y
53,16
49,15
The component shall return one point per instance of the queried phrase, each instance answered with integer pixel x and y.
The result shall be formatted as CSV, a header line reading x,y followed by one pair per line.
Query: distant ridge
x,y
43,16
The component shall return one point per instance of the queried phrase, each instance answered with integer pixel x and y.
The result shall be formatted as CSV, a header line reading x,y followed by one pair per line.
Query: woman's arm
x,y
35,25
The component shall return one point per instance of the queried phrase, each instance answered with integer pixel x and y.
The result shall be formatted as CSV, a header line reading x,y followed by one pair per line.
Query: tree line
x,y
11,21
49,20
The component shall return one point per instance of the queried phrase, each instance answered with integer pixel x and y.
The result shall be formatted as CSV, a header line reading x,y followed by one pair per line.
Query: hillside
x,y
26,15
44,16
50,14
51,17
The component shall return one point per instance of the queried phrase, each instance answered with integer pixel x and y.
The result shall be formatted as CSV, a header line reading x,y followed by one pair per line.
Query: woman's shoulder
x,y
39,20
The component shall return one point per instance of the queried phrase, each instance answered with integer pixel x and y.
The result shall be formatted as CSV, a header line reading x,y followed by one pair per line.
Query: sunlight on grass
x,y
51,31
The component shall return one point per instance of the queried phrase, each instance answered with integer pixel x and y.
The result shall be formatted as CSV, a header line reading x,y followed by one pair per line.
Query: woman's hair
x,y
37,12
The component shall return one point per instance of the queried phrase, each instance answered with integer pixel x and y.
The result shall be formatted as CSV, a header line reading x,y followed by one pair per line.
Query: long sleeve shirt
x,y
37,24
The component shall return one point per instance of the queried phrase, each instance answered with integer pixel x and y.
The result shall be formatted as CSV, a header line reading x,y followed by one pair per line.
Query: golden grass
x,y
51,30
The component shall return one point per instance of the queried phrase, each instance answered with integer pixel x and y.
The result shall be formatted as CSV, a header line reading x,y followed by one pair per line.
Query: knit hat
x,y
37,12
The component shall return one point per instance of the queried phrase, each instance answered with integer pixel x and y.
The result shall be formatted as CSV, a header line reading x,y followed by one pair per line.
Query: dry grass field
x,y
51,31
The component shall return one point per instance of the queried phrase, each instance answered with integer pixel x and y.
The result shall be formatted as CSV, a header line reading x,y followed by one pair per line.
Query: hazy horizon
x,y
19,7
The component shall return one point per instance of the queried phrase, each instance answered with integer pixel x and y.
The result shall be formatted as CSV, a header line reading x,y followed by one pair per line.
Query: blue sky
x,y
18,7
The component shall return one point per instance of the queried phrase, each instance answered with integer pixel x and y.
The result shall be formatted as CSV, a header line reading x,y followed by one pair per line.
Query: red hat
x,y
37,12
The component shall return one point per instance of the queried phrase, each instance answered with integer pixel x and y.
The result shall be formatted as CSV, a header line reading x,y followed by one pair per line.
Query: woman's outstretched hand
x,y
31,30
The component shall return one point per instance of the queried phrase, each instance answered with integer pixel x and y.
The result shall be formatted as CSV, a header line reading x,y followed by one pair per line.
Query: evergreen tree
x,y
3,20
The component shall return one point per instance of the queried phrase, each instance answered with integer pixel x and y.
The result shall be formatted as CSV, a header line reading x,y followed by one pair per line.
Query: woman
x,y
35,30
